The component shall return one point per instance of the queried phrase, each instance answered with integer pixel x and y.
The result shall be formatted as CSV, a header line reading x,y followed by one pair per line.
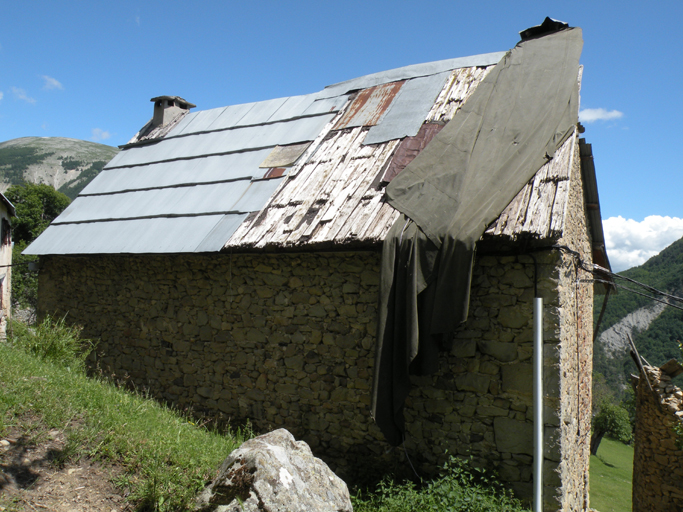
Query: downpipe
x,y
538,404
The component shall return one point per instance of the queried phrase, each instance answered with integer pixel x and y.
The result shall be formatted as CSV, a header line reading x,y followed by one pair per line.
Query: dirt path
x,y
32,480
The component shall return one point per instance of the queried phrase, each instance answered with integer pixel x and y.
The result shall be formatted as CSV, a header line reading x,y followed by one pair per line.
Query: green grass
x,y
166,457
610,477
460,488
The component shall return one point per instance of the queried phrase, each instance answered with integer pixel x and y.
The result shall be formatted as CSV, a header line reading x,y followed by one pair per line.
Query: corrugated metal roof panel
x,y
231,116
262,111
184,122
192,200
158,235
200,122
238,139
409,109
257,195
214,241
406,72
199,170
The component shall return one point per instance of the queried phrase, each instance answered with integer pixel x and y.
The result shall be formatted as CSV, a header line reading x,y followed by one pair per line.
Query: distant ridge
x,y
66,164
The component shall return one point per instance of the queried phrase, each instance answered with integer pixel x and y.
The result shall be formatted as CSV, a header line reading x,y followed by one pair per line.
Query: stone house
x,y
6,213
230,260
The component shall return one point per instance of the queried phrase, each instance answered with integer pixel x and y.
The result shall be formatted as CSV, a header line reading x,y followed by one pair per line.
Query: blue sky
x,y
87,70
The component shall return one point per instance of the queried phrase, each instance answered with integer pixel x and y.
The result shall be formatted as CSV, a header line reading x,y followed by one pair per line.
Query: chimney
x,y
167,108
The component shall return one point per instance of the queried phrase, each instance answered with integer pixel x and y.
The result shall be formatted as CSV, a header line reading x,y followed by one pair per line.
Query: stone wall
x,y
288,340
575,351
658,457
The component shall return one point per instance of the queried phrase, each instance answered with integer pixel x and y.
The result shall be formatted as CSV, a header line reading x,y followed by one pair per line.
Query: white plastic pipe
x,y
538,404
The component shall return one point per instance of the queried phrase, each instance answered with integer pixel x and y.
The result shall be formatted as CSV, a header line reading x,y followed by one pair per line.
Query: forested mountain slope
x,y
68,165
655,329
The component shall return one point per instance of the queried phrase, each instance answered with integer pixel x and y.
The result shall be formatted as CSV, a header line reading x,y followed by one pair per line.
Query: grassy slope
x,y
167,458
610,477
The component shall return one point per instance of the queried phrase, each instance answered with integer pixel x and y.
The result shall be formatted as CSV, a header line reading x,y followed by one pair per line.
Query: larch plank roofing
x,y
201,185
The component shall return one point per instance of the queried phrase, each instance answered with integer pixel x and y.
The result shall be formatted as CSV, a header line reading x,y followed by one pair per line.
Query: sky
x,y
87,70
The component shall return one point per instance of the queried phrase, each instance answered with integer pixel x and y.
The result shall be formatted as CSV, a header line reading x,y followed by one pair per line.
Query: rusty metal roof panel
x,y
368,107
409,109
407,72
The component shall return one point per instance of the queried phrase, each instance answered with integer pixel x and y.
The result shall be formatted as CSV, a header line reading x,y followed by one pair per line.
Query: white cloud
x,y
20,94
630,243
51,83
137,20
1,95
99,134
590,115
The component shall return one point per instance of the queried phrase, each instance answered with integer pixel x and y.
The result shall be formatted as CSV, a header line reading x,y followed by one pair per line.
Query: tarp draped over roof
x,y
509,127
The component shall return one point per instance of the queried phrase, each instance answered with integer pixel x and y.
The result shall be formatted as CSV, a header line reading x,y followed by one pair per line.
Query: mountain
x,y
66,164
654,327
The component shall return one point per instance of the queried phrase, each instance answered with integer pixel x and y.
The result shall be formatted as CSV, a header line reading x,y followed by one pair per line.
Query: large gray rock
x,y
275,473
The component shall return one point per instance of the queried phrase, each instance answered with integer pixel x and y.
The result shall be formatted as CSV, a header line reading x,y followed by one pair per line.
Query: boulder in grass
x,y
275,473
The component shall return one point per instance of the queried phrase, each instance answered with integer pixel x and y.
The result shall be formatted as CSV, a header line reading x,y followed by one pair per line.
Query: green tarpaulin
x,y
510,126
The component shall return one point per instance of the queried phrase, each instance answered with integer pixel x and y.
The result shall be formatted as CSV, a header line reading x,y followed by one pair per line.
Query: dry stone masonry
x,y
287,340
658,457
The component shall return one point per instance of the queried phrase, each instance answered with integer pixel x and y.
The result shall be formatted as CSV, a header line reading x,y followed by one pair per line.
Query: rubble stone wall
x,y
288,340
658,456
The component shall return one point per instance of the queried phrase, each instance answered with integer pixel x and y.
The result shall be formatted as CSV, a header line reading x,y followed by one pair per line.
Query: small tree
x,y
611,420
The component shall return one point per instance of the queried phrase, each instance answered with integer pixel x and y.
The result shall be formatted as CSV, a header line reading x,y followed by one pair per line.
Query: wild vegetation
x,y
165,455
36,206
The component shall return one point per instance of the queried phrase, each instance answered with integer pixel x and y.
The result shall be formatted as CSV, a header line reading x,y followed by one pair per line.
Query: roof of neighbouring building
x,y
303,171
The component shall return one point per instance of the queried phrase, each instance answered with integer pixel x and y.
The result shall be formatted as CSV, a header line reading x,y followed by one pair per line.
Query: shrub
x,y
52,340
461,488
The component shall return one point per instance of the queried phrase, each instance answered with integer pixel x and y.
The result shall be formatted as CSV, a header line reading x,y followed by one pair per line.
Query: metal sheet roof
x,y
167,174
224,141
157,235
414,71
192,189
409,110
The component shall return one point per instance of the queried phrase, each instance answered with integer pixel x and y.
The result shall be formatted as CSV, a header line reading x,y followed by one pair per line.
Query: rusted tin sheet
x,y
369,106
409,148
408,110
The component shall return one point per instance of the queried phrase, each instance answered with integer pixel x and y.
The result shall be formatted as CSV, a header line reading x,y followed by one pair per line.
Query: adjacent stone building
x,y
658,456
230,261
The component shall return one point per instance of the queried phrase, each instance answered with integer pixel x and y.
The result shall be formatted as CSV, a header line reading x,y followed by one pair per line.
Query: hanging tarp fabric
x,y
511,125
